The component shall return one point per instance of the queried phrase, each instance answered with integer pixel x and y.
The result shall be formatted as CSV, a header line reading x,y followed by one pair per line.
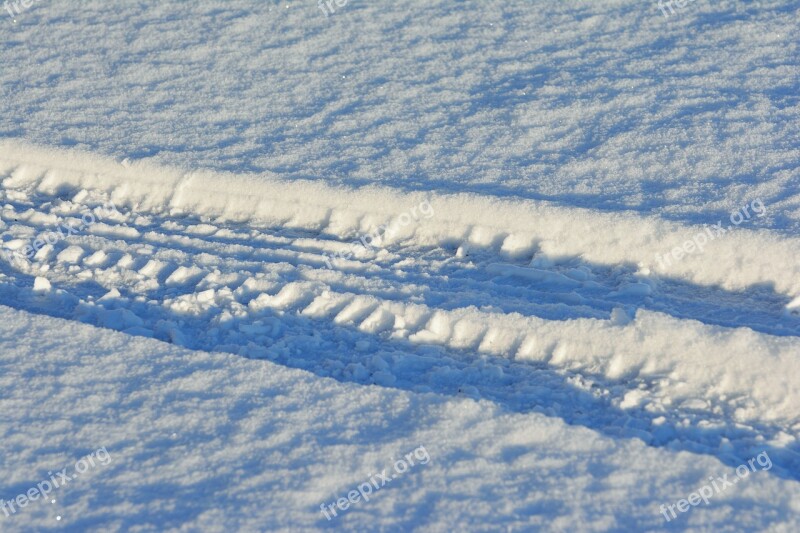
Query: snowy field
x,y
400,266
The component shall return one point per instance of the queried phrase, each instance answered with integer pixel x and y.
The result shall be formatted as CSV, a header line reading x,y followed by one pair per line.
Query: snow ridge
x,y
512,227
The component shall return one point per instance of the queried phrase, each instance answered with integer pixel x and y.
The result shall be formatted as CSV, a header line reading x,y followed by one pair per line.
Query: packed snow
x,y
430,265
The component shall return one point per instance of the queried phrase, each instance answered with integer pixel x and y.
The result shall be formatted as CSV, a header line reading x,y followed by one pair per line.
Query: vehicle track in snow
x,y
574,339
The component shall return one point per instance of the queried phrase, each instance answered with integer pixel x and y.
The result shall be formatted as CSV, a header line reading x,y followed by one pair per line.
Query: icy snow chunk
x,y
41,284
113,294
438,330
201,229
21,176
183,275
206,296
529,348
326,304
356,310
290,295
153,268
44,253
254,286
793,308
16,244
70,255
80,196
38,218
632,399
412,317
126,261
96,259
118,231
379,320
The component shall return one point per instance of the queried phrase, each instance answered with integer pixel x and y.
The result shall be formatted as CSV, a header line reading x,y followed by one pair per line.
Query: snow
x,y
626,354
215,442
258,253
514,226
604,104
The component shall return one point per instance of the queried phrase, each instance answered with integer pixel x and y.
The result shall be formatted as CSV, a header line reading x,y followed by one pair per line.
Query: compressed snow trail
x,y
533,307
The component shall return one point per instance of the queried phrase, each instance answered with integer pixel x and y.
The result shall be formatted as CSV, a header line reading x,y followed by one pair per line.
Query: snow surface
x,y
445,306
604,104
258,253
215,442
